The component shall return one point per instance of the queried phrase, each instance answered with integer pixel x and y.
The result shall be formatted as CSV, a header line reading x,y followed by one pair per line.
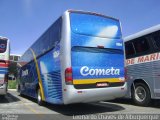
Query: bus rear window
x,y
95,25
3,46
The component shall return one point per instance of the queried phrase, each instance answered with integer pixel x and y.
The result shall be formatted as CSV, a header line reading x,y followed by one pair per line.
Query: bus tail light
x,y
68,76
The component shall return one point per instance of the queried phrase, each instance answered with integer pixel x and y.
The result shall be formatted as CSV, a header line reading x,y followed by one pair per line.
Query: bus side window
x,y
129,50
141,45
156,40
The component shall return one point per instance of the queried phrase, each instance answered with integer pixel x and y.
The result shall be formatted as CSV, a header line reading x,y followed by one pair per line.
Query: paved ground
x,y
13,105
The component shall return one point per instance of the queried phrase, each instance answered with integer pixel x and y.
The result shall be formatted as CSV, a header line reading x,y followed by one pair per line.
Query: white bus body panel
x,y
72,95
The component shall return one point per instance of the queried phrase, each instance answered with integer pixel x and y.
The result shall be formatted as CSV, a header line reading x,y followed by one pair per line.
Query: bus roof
x,y
142,33
92,13
3,38
16,55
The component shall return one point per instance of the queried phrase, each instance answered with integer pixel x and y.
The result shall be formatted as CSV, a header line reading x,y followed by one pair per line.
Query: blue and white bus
x,y
79,59
4,64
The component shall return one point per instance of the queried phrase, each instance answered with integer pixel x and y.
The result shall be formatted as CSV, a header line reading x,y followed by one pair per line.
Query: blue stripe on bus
x,y
3,68
3,72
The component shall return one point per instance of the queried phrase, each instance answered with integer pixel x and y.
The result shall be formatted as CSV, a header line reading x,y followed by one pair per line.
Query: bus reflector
x,y
122,88
79,91
68,76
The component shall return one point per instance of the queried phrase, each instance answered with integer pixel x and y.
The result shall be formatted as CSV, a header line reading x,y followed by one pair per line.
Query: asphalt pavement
x,y
17,107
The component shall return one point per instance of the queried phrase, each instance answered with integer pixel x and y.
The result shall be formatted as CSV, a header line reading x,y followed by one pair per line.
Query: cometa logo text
x,y
87,71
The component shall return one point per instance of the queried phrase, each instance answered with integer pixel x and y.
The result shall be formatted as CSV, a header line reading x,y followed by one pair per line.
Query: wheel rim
x,y
140,93
39,96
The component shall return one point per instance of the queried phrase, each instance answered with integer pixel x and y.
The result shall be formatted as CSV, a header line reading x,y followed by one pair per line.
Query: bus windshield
x,y
3,46
95,25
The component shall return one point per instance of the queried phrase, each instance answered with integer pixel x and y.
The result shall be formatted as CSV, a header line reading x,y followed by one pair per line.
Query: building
x,y
14,57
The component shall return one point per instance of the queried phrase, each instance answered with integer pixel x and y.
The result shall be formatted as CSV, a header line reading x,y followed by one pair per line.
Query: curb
x,y
12,89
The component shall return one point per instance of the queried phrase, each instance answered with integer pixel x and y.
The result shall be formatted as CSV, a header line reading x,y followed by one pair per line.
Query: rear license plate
x,y
102,84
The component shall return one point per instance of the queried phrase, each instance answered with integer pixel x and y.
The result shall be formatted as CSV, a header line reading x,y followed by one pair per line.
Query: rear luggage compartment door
x,y
95,67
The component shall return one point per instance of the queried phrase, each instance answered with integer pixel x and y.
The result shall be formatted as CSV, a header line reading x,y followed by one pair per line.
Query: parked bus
x,y
4,63
79,59
143,65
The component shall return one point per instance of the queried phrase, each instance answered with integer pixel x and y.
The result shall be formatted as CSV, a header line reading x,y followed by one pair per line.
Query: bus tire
x,y
141,94
2,96
39,97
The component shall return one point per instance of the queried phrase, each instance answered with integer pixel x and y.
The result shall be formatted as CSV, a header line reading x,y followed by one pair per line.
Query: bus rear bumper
x,y
72,95
3,89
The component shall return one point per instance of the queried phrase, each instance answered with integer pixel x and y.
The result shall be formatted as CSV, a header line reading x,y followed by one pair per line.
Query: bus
x,y
78,59
142,51
4,64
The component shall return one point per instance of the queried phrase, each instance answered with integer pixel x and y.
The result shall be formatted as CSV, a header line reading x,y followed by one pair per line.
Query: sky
x,y
24,21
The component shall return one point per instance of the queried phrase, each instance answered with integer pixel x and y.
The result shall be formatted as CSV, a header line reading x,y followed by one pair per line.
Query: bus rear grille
x,y
54,91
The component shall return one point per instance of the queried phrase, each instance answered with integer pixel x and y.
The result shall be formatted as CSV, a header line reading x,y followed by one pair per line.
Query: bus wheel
x,y
39,97
141,94
2,96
